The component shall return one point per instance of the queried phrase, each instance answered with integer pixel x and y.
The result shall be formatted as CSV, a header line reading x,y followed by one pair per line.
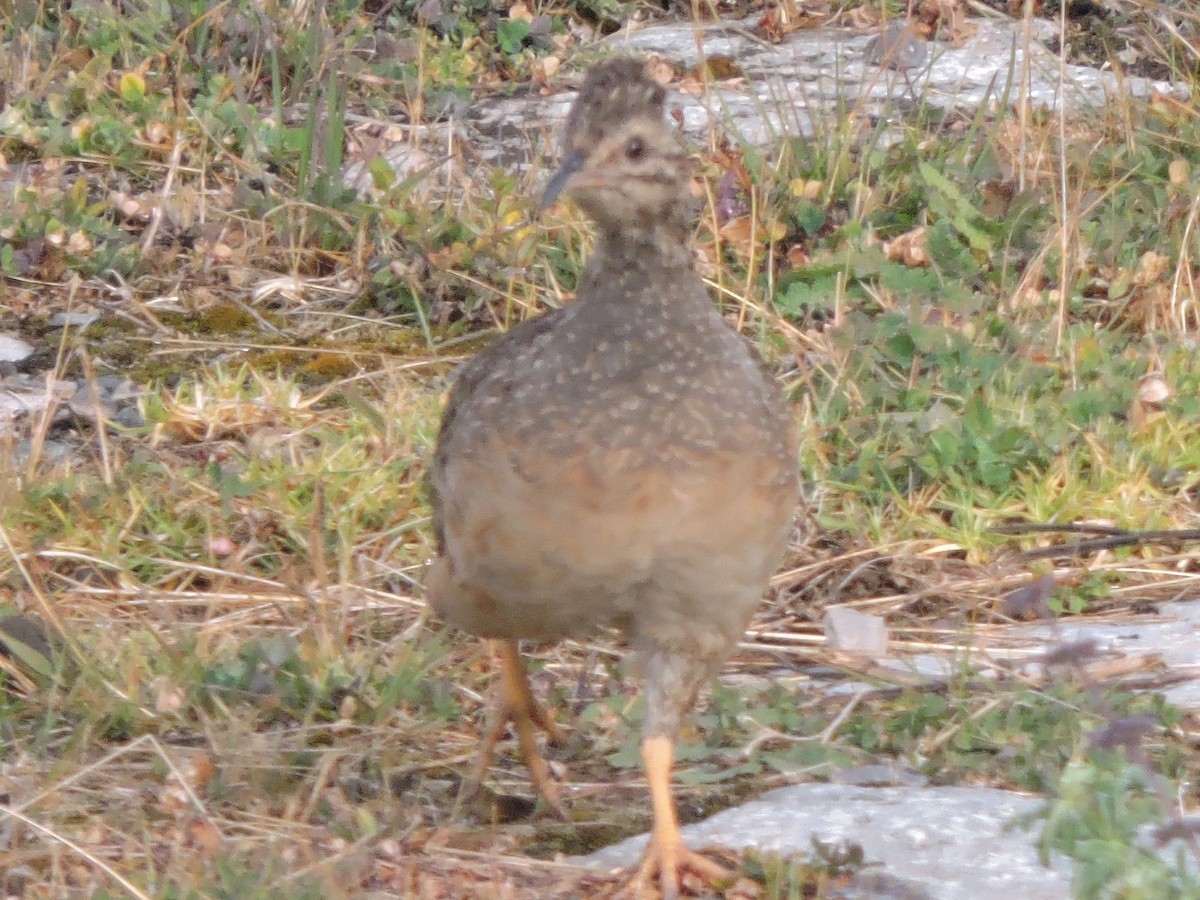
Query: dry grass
x,y
252,701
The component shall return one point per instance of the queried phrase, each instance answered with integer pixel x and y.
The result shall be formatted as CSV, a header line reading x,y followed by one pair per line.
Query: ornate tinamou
x,y
623,461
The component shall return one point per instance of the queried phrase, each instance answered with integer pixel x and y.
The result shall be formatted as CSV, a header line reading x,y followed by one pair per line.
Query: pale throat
x,y
662,244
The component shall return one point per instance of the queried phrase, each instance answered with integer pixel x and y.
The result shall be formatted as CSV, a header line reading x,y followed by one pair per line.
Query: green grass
x,y
252,702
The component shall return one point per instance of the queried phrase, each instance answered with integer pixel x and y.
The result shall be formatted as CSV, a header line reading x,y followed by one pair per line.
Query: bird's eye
x,y
634,149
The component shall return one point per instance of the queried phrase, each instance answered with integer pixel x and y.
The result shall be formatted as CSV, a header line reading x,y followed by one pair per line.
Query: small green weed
x,y
1100,815
240,576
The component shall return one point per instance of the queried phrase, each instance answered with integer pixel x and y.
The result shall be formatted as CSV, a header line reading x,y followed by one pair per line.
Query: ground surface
x,y
212,467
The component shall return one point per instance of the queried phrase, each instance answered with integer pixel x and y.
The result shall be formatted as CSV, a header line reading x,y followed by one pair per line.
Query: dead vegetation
x,y
246,698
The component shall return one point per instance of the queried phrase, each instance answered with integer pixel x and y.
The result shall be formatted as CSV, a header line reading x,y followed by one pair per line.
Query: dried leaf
x,y
797,256
1177,829
728,204
660,71
743,233
168,697
545,69
204,836
1073,653
806,188
1153,389
909,248
1029,602
1151,268
1152,392
1126,732
781,19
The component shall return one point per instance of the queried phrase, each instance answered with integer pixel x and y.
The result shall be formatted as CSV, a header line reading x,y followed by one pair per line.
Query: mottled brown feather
x,y
624,461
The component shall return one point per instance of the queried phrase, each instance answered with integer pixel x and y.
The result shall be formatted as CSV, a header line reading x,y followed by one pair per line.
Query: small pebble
x,y
73,319
13,349
50,453
129,417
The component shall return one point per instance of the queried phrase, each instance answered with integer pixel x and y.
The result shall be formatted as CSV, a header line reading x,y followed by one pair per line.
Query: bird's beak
x,y
572,164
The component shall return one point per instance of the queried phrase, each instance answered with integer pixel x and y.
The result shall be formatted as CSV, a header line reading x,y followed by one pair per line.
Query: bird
x,y
624,461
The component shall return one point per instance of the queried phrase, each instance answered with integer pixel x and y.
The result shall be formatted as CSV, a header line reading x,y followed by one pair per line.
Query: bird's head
x,y
622,163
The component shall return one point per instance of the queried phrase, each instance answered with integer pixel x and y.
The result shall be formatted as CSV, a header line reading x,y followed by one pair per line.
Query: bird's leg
x,y
515,703
665,854
672,681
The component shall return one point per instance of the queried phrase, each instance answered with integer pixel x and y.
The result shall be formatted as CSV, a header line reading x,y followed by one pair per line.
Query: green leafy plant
x,y
1100,816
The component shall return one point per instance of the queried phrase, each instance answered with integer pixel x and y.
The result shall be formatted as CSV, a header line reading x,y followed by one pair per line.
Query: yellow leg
x,y
515,703
666,855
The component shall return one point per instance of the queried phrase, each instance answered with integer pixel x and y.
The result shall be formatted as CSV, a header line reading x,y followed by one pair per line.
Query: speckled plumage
x,y
623,461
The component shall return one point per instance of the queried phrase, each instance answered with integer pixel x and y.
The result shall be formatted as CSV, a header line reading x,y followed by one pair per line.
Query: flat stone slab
x,y
942,843
801,86
1166,641
946,843
1172,634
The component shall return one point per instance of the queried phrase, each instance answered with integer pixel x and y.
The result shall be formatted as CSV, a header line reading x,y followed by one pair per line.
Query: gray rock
x,y
880,775
112,384
949,843
22,396
882,886
795,88
799,86
89,404
129,417
117,389
50,452
111,394
73,319
898,47
1169,639
13,349
1173,634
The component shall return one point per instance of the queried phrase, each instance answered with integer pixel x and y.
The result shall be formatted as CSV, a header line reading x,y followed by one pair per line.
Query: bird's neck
x,y
660,247
647,272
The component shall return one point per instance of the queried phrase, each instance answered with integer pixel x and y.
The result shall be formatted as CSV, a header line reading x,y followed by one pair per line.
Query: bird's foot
x,y
516,704
666,862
